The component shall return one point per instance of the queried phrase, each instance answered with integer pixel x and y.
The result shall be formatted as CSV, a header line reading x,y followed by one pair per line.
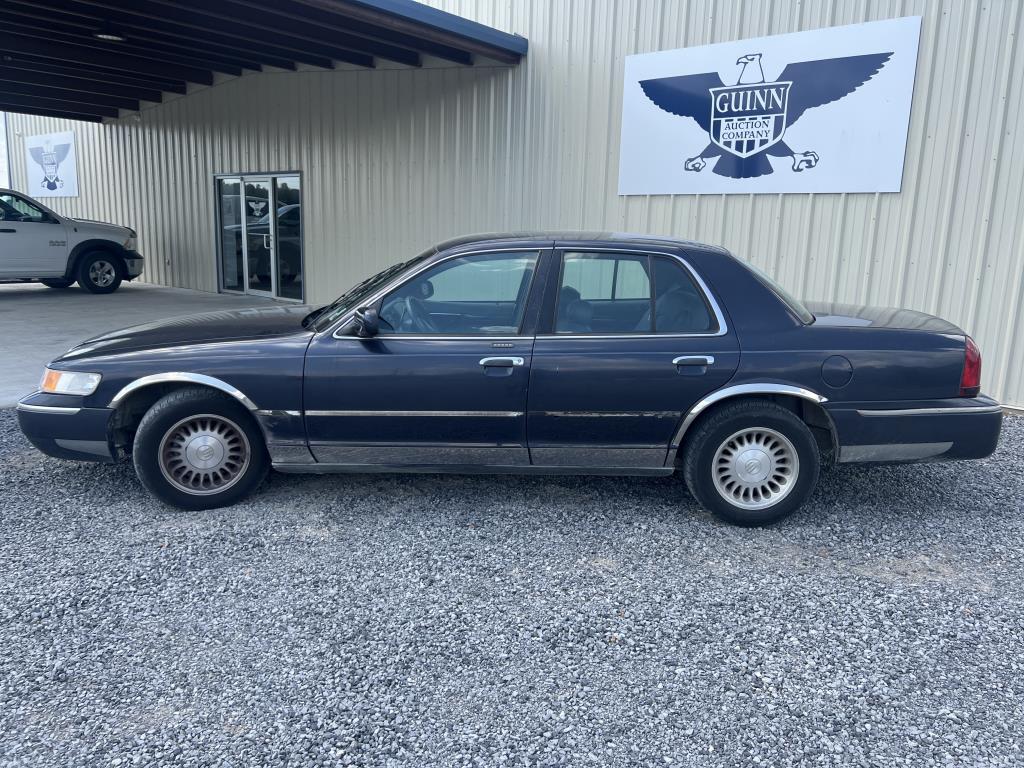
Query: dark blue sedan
x,y
550,353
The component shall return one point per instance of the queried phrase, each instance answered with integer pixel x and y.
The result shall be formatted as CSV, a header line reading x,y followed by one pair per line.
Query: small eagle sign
x,y
832,118
50,165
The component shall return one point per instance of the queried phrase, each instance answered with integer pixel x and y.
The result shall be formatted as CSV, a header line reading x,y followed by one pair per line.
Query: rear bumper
x,y
66,431
939,430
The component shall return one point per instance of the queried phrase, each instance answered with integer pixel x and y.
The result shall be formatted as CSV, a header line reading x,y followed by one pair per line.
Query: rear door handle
x,y
502,362
702,360
11,231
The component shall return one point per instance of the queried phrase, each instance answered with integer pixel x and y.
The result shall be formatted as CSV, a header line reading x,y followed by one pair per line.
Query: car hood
x,y
102,228
227,325
853,315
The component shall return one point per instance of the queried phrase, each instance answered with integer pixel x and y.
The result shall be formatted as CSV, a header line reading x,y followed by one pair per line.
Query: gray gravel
x,y
434,621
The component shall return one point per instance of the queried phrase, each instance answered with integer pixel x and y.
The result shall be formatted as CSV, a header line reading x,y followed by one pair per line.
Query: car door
x,y
33,242
443,382
629,342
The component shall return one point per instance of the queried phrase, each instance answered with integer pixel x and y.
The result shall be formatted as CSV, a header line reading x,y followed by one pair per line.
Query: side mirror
x,y
367,322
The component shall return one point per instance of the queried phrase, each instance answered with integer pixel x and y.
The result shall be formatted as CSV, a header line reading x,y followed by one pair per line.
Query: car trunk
x,y
853,316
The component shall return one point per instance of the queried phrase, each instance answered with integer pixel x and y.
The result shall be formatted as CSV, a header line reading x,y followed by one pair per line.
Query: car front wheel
x,y
751,463
199,449
99,273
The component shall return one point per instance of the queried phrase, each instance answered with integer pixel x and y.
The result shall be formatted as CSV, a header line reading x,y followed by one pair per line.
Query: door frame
x,y
218,256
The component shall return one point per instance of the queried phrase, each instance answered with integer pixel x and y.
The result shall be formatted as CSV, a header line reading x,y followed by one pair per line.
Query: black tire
x,y
161,458
783,462
99,272
56,282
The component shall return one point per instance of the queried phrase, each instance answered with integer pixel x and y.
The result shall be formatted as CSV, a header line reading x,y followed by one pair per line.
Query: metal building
x,y
381,162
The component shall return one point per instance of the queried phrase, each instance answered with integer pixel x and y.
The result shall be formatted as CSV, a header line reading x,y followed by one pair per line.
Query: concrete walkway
x,y
38,323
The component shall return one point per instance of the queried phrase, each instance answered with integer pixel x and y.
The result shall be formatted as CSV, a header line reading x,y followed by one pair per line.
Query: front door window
x,y
483,294
260,235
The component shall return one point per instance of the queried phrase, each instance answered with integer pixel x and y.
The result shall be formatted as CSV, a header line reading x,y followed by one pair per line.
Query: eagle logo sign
x,y
746,121
49,158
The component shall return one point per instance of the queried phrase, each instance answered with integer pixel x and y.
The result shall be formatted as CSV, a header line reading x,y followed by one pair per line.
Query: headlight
x,y
69,382
131,244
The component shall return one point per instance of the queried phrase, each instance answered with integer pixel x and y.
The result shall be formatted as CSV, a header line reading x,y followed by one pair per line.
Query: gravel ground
x,y
434,621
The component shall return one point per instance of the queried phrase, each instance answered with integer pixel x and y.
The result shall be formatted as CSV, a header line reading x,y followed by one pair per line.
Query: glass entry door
x,y
260,235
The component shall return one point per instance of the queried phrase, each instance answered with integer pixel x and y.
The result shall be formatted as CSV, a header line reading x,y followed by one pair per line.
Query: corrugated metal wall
x,y
395,159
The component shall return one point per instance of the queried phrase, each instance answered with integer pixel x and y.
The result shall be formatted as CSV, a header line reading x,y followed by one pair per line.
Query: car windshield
x,y
795,305
325,316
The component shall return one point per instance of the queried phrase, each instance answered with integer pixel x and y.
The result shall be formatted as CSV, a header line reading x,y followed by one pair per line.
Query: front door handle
x,y
502,362
702,360
9,231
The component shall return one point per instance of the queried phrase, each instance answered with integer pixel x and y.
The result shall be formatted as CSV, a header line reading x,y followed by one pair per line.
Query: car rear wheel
x,y
56,282
751,463
199,449
99,273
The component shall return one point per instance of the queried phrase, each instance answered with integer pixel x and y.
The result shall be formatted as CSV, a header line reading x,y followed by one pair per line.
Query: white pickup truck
x,y
38,244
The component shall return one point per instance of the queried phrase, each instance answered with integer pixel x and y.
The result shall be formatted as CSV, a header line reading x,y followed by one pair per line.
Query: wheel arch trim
x,y
182,377
740,390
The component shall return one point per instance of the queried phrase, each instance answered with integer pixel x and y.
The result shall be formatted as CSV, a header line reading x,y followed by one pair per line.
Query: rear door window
x,y
612,293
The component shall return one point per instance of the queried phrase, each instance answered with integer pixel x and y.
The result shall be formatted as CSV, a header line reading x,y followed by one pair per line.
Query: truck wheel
x,y
99,273
56,282
751,463
199,449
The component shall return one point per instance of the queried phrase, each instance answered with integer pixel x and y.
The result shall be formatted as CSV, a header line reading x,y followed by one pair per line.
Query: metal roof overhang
x,y
90,59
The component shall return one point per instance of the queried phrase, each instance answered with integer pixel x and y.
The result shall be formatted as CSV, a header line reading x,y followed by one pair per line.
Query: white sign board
x,y
819,111
5,167
51,166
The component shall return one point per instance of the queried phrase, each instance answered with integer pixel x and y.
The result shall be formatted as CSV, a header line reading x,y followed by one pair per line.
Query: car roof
x,y
537,237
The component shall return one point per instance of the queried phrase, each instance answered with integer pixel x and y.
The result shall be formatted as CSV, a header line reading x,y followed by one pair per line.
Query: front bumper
x,y
936,430
59,427
133,265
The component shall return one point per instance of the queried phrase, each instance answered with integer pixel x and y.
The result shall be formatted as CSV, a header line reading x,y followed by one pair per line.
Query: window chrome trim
x,y
723,327
412,414
182,377
57,410
415,337
401,279
955,410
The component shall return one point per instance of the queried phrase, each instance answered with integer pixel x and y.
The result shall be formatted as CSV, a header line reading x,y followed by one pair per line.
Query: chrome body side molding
x,y
183,377
410,414
51,409
468,469
967,410
737,390
892,452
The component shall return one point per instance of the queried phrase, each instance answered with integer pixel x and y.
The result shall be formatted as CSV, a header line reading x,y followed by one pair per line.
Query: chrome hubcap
x,y
204,454
102,273
755,468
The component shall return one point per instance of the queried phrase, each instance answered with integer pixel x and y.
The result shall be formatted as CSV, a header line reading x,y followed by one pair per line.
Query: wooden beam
x,y
332,22
8,88
79,54
59,33
68,69
184,40
276,20
22,110
17,100
75,84
200,26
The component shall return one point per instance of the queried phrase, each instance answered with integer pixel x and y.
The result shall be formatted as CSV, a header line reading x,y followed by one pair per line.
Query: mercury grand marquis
x,y
571,353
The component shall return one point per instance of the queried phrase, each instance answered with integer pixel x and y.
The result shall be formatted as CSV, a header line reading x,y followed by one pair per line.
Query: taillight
x,y
970,379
